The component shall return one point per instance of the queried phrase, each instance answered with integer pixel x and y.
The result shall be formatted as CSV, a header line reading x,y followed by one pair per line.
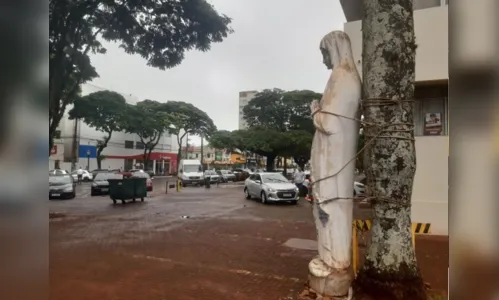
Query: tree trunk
x,y
145,160
179,153
285,172
101,147
390,270
270,162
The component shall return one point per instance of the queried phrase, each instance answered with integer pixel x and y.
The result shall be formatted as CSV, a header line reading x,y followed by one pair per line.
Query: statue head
x,y
336,49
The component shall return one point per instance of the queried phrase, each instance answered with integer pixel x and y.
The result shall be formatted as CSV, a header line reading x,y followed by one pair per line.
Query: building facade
x,y
76,142
211,157
244,98
430,191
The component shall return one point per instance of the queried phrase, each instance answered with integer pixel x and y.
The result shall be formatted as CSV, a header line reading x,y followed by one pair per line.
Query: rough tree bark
x,y
270,162
390,270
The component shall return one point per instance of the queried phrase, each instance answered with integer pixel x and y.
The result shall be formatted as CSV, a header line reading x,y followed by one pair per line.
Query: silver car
x,y
227,175
270,187
214,177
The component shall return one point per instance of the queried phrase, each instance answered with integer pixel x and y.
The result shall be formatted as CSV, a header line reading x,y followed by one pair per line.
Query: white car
x,y
214,177
58,172
86,176
358,189
270,187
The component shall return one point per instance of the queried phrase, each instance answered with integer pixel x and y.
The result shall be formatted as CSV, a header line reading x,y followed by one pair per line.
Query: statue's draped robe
x,y
334,145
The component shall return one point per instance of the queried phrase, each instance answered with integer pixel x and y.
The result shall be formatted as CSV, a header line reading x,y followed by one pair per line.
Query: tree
x,y
299,143
185,119
159,31
103,111
282,111
149,120
390,270
262,141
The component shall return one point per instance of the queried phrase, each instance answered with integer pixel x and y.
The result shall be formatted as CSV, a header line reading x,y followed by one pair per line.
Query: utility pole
x,y
74,148
202,156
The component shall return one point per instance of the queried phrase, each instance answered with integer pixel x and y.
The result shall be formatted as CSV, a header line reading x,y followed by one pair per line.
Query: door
x,y
251,185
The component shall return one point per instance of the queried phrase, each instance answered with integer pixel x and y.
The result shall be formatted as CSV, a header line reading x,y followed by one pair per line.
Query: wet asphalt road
x,y
198,244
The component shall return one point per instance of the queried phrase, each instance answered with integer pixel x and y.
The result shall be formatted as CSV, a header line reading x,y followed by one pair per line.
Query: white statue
x,y
334,145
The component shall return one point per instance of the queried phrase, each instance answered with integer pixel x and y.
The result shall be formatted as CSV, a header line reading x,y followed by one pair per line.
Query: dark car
x,y
94,172
100,186
61,186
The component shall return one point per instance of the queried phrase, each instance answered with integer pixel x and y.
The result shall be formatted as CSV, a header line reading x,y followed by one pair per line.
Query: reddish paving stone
x,y
132,255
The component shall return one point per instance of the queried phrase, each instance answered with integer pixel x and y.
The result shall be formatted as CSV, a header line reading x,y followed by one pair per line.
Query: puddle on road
x,y
302,244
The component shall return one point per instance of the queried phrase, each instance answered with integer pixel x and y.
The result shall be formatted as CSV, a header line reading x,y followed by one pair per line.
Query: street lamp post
x,y
88,159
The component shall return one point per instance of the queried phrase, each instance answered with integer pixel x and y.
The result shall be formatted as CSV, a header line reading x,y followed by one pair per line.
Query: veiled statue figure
x,y
334,145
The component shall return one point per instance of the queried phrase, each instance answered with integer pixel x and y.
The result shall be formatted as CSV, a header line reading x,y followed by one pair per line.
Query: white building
x,y
244,98
430,191
123,151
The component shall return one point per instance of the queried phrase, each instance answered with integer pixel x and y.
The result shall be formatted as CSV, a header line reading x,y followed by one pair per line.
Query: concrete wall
x,y
430,193
431,28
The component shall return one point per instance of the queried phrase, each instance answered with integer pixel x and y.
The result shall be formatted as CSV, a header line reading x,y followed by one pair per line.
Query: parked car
x,y
86,176
143,174
61,186
358,189
100,186
58,172
94,172
227,175
214,177
270,187
242,174
150,172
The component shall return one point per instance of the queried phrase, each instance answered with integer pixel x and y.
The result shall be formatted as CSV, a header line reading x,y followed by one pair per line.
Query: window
x,y
139,145
57,134
196,155
422,4
208,155
129,144
430,117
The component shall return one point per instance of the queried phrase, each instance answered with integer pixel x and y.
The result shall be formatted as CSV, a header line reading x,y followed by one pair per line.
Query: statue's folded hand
x,y
315,106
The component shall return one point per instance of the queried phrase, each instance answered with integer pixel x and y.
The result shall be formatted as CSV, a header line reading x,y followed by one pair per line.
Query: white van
x,y
191,172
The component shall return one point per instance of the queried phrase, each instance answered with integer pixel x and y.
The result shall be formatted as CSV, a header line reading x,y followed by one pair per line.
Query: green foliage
x,y
282,111
185,119
149,120
188,119
103,111
287,114
160,31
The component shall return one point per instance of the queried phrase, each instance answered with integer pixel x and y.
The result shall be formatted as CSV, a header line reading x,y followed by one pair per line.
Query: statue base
x,y
335,286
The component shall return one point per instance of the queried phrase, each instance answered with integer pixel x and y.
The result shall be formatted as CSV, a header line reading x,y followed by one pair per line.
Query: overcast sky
x,y
275,44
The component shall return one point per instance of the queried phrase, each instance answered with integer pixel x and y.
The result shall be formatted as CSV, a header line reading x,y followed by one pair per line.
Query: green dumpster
x,y
126,189
140,187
